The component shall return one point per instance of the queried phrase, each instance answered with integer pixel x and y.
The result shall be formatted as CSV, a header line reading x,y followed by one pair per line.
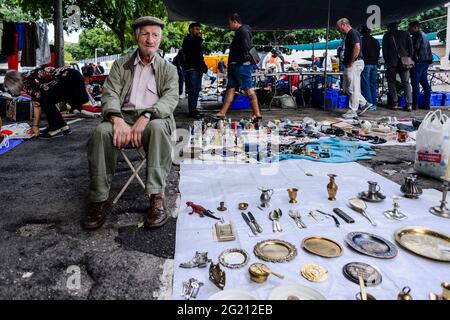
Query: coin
x,y
314,273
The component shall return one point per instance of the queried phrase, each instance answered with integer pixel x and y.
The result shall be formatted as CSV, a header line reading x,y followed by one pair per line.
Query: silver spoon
x,y
360,206
279,213
274,216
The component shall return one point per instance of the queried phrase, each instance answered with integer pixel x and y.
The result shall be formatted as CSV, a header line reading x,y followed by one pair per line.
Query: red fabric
x,y
91,109
13,61
295,80
99,78
53,60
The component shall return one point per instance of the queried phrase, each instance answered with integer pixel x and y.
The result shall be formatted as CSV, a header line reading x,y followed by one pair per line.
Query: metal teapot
x,y
410,188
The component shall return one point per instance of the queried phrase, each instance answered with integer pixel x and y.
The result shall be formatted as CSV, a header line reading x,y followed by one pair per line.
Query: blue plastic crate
x,y
436,99
332,98
446,99
343,102
240,103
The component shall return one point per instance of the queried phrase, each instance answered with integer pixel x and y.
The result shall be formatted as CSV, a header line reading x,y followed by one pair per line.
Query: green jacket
x,y
120,80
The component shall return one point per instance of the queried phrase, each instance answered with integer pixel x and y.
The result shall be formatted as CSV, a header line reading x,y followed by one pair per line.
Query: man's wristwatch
x,y
148,115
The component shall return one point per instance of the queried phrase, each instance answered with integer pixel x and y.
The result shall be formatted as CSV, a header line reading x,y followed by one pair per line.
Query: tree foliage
x,y
118,15
99,38
11,11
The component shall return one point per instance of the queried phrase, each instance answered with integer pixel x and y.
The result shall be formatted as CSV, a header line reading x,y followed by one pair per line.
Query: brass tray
x,y
425,242
322,247
275,251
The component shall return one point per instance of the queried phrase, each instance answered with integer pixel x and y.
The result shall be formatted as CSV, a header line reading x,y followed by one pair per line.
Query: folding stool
x,y
135,170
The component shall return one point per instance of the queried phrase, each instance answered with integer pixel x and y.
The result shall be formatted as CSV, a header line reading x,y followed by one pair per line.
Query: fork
x,y
297,218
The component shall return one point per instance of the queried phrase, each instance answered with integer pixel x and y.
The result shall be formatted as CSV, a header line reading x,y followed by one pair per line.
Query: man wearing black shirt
x,y
240,67
397,43
423,57
194,67
354,65
371,53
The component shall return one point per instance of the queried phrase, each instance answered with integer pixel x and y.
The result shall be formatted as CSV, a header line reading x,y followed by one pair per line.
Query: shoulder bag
x,y
406,62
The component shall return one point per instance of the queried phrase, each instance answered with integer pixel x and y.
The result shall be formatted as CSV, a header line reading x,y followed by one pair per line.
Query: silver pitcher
x,y
265,197
374,191
410,188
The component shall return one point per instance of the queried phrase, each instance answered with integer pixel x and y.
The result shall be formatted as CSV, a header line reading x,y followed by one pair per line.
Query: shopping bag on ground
x,y
433,145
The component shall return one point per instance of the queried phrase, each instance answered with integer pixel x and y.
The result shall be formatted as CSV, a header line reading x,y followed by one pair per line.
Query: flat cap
x,y
147,21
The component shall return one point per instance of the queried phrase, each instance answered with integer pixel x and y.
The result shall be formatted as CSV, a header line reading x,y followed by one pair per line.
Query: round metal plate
x,y
371,245
314,272
275,251
369,274
322,247
234,258
425,242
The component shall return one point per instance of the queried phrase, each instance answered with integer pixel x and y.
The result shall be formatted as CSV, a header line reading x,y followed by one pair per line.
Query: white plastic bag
x,y
433,145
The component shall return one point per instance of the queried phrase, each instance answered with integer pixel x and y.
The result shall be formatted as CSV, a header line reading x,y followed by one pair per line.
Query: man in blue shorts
x,y
240,67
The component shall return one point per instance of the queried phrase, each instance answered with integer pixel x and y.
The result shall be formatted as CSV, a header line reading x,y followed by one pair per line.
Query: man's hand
x,y
138,130
121,132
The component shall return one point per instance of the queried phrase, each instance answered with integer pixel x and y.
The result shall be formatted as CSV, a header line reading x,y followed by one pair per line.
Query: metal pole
x,y
59,35
446,60
326,55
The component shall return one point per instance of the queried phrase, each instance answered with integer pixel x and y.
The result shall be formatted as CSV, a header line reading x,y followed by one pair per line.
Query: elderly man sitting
x,y
138,101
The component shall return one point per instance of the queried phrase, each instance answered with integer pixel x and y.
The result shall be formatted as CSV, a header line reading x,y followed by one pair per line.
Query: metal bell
x,y
404,295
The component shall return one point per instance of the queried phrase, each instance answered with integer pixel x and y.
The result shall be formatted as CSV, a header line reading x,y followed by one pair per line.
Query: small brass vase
x,y
332,188
292,195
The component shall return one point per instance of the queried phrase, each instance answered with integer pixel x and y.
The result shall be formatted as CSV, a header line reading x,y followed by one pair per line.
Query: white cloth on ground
x,y
209,184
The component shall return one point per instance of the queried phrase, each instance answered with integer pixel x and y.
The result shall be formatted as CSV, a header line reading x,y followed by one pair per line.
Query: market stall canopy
x,y
334,44
292,14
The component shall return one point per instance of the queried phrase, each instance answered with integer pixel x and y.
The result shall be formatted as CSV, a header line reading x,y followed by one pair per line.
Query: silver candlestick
x,y
442,210
395,213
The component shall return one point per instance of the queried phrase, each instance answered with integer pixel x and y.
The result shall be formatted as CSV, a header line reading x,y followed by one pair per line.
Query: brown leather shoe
x,y
96,215
157,216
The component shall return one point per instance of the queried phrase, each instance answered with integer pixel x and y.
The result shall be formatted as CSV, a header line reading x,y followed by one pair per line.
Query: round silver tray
x,y
224,256
369,274
371,245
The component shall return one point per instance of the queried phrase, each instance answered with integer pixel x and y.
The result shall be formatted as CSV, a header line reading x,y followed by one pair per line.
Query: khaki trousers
x,y
352,84
102,156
